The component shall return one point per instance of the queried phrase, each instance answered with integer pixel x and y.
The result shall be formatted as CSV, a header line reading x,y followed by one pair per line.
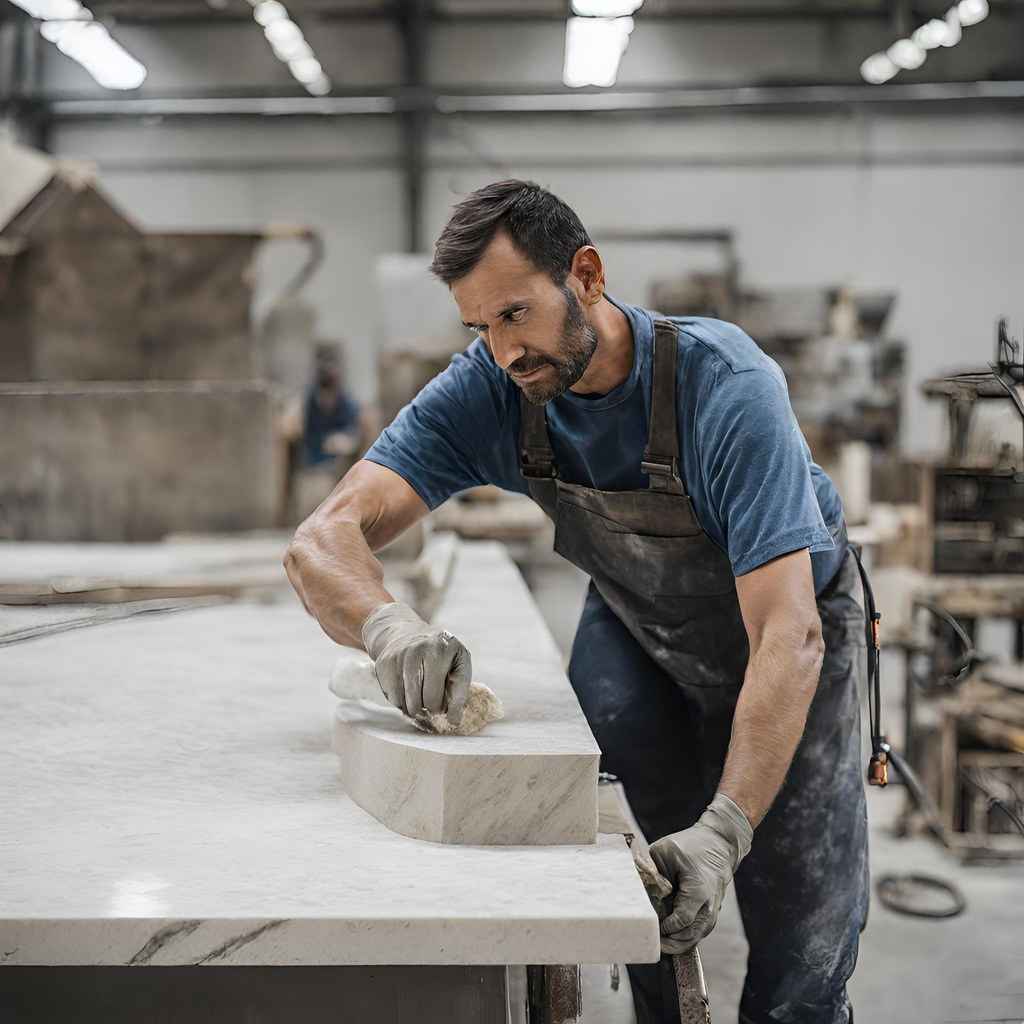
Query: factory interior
x,y
242,346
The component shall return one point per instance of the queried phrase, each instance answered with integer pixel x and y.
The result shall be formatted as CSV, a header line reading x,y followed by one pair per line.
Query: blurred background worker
x,y
326,433
332,421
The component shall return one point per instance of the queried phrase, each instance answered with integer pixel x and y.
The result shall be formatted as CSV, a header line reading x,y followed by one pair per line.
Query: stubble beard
x,y
578,343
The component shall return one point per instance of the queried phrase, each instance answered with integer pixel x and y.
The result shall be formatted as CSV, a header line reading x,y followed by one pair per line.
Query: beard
x,y
576,348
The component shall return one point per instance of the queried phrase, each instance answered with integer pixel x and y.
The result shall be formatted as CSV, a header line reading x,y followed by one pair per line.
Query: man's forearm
x,y
339,580
780,682
330,561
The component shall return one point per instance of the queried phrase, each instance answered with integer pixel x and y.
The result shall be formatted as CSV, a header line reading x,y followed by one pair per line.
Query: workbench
x,y
170,802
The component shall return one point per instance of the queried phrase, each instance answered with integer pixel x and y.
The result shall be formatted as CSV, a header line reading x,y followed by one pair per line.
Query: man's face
x,y
327,376
536,331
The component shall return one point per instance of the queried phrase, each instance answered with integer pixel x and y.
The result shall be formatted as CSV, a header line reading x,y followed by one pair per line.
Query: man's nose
x,y
504,350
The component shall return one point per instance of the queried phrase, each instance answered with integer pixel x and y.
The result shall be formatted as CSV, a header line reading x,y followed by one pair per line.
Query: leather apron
x,y
650,560
803,889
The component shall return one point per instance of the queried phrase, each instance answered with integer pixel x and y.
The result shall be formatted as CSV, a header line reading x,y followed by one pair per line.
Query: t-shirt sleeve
x,y
441,442
756,469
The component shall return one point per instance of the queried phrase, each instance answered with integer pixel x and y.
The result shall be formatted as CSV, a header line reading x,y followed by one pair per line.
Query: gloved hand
x,y
419,667
700,862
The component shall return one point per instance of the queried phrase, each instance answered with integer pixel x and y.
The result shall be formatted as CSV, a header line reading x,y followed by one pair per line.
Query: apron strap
x,y
661,457
536,457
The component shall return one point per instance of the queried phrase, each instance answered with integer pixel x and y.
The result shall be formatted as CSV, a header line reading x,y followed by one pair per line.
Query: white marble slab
x,y
169,796
529,778
43,561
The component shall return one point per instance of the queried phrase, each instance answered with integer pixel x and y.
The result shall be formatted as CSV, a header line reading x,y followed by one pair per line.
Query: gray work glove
x,y
419,667
700,862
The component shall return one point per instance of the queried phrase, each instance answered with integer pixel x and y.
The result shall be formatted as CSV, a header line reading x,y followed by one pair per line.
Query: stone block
x,y
528,779
86,295
134,461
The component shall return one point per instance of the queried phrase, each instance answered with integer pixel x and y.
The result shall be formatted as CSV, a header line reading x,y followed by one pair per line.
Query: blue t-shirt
x,y
754,487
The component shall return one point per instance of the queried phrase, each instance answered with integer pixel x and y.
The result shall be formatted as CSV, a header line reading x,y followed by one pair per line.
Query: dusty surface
x,y
170,797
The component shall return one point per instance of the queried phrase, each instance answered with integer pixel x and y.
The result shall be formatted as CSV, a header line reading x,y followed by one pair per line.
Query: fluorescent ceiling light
x,y
71,28
972,11
305,69
911,53
878,68
295,49
933,34
906,54
289,45
593,49
320,86
269,11
605,8
47,10
953,32
89,43
282,31
30,7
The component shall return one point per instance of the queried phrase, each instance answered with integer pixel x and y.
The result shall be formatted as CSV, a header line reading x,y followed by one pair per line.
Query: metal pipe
x,y
743,96
425,99
394,162
242,106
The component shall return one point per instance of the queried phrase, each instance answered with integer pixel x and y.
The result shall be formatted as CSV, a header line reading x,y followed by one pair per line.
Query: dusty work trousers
x,y
803,888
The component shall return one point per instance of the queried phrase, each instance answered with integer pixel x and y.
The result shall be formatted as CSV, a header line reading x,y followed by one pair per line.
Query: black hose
x,y
872,617
892,887
966,659
994,801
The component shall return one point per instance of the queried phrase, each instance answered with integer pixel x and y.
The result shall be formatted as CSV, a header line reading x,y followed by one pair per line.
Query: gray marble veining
x,y
169,796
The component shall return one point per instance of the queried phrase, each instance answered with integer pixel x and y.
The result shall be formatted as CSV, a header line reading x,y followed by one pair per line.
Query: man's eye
x,y
515,316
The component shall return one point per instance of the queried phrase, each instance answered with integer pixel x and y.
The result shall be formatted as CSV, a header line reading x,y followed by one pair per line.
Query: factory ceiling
x,y
469,10
414,92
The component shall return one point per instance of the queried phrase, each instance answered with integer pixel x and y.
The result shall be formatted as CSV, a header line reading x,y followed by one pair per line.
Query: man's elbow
x,y
796,642
813,647
317,531
307,551
299,546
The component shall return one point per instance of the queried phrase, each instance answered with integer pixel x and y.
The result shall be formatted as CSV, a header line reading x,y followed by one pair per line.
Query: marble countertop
x,y
170,797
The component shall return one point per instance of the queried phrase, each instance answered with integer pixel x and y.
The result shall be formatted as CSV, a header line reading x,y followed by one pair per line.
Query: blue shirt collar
x,y
642,326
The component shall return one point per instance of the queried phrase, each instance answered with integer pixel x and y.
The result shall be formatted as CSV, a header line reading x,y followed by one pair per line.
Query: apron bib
x,y
654,566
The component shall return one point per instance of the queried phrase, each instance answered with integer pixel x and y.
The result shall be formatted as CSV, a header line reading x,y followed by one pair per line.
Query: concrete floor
x,y
911,970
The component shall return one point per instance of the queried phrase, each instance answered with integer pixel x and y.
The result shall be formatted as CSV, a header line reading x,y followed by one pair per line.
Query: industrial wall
x,y
919,198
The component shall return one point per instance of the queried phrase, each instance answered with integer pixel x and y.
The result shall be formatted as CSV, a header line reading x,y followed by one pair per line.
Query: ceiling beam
x,y
512,101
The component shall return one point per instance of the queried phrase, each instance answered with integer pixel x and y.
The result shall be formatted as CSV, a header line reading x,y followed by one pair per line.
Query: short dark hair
x,y
543,228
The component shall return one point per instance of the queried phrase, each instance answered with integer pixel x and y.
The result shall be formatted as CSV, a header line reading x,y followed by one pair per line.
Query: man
x,y
332,418
668,456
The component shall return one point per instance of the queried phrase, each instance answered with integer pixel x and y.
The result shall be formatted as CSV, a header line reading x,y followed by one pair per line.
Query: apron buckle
x,y
536,463
659,465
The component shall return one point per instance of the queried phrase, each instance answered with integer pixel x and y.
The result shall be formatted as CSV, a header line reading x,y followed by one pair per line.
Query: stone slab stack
x,y
129,401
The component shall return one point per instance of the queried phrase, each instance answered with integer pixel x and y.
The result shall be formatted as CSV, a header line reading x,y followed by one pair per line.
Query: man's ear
x,y
588,269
